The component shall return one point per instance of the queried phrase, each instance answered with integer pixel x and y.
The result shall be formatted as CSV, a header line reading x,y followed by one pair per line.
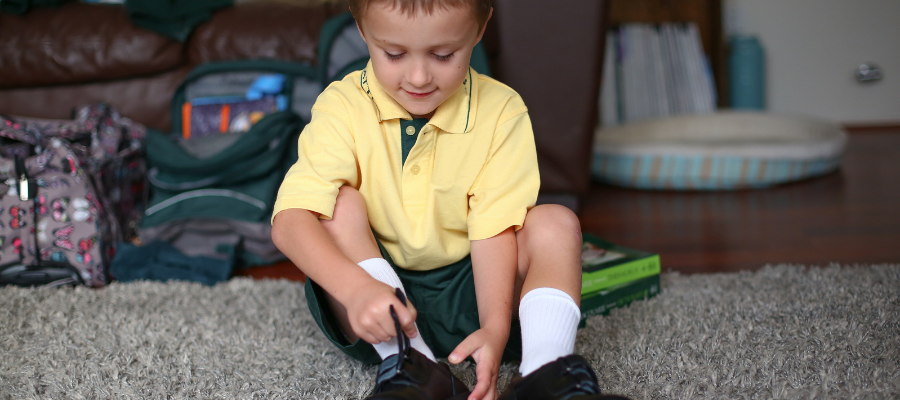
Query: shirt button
x,y
415,169
410,130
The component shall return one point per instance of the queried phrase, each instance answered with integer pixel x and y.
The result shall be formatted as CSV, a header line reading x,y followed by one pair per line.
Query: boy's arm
x,y
301,237
494,264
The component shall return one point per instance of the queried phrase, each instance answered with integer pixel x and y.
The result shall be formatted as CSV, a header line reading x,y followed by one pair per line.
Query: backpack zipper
x,y
25,189
206,193
24,185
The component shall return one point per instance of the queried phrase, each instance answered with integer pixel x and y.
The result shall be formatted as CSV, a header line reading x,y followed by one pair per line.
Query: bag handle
x,y
14,129
90,122
50,273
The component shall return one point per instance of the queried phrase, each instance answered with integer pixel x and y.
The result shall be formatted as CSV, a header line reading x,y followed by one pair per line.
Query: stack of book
x,y
653,71
614,276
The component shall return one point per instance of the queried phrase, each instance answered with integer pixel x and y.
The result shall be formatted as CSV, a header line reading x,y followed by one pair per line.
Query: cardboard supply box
x,y
613,276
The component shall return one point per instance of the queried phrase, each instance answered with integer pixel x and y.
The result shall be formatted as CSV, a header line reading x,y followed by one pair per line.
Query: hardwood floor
x,y
850,216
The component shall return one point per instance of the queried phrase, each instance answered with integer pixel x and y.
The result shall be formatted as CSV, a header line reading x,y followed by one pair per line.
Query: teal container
x,y
747,74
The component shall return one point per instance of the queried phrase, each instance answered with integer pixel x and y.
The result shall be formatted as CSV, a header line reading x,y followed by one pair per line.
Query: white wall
x,y
813,48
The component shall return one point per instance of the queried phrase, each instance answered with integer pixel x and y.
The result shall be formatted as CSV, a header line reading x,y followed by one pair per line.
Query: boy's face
x,y
420,60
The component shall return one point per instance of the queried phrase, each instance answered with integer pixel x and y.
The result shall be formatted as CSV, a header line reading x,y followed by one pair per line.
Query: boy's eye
x,y
443,58
393,57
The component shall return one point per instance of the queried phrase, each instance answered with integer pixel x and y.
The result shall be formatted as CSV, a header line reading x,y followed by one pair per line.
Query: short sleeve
x,y
508,184
326,161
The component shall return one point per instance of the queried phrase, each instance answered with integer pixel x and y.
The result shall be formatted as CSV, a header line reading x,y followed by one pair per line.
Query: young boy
x,y
421,175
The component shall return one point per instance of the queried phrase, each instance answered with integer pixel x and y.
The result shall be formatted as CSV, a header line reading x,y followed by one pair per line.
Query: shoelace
x,y
394,374
402,339
584,382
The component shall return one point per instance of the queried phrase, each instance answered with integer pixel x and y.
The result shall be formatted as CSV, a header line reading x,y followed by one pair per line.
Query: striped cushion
x,y
722,151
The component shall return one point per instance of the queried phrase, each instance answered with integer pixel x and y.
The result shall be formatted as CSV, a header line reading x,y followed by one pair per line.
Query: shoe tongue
x,y
579,382
396,372
388,368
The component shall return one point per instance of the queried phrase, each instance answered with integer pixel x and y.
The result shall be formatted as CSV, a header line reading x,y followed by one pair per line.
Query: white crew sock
x,y
549,319
381,270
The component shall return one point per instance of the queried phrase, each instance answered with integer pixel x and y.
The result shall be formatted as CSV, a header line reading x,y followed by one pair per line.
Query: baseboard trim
x,y
887,127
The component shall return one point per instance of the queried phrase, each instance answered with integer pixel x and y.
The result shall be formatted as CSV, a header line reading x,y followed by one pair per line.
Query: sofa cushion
x,y
78,43
261,30
726,150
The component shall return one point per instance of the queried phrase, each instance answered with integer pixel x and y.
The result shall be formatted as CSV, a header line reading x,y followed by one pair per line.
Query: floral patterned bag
x,y
57,224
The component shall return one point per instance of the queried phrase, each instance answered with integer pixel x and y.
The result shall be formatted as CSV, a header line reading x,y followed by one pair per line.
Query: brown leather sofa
x,y
54,59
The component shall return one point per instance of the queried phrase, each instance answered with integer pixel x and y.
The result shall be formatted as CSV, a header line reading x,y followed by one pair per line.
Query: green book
x,y
604,265
603,301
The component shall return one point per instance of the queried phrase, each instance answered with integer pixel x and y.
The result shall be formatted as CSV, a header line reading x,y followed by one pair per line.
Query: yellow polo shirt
x,y
471,173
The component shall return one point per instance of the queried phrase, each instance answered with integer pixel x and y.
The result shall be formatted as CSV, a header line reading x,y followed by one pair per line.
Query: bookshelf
x,y
707,14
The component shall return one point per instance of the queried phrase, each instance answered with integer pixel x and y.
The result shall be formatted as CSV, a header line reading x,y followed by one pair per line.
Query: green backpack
x,y
213,191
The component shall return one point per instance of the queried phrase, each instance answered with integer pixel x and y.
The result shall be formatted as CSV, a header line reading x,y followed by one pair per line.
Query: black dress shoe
x,y
409,375
567,378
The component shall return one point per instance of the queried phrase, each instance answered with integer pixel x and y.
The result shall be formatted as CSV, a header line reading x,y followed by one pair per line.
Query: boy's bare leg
x,y
349,226
349,229
549,246
548,284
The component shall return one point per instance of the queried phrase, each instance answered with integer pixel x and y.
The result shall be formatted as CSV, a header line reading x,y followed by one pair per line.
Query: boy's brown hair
x,y
481,9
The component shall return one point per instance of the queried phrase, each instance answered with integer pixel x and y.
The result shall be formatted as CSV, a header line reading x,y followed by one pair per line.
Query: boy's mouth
x,y
419,95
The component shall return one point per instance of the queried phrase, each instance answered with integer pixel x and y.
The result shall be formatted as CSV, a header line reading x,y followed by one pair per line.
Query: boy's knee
x,y
552,224
554,217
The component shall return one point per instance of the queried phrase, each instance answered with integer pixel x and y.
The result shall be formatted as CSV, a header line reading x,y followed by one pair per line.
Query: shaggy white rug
x,y
781,332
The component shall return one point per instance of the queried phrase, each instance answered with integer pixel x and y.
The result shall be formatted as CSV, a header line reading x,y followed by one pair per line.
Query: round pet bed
x,y
721,151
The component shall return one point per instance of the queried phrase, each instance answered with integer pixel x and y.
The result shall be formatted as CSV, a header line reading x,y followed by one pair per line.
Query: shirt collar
x,y
454,115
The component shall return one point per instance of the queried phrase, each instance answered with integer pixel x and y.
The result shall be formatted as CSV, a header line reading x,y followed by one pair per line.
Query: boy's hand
x,y
369,313
486,348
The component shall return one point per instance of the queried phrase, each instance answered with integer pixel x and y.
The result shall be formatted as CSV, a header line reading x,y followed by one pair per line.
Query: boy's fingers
x,y
412,310
375,335
485,382
382,333
463,350
388,324
372,330
405,317
410,332
409,326
492,391
383,326
479,391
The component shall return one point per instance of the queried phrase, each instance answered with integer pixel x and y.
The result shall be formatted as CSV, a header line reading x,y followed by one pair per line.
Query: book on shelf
x,y
613,276
659,70
609,100
657,73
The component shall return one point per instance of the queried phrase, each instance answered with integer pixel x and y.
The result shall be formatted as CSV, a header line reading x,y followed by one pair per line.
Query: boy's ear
x,y
480,34
359,28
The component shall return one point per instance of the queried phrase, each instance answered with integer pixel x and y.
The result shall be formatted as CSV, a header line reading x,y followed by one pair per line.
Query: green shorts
x,y
446,305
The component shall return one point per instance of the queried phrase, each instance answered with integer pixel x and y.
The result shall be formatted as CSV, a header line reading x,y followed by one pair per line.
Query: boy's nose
x,y
419,76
